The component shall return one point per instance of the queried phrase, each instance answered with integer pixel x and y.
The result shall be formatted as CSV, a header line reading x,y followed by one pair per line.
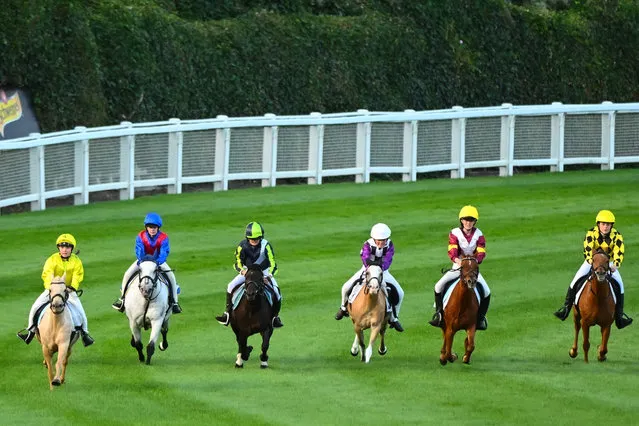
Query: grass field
x,y
520,372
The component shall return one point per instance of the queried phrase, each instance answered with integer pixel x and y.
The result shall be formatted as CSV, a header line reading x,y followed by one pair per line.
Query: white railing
x,y
177,152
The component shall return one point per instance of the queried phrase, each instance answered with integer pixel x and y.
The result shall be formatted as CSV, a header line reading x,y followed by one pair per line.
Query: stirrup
x,y
118,305
396,325
437,319
223,319
482,324
86,339
176,309
623,321
563,312
26,335
277,322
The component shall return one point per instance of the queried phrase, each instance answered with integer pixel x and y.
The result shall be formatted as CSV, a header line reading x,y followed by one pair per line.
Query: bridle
x,y
58,309
369,283
469,279
154,283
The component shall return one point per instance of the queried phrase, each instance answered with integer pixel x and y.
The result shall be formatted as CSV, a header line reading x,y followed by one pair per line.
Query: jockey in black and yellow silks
x,y
155,243
65,264
602,236
254,249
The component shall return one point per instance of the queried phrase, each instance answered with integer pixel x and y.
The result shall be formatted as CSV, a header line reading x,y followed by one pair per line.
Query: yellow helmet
x,y
605,216
65,238
254,230
469,211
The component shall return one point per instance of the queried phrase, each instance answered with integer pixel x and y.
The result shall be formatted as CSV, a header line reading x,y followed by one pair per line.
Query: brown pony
x,y
368,310
253,315
56,331
595,307
461,312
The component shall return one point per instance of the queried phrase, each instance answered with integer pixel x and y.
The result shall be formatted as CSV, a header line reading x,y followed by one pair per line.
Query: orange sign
x,y
10,109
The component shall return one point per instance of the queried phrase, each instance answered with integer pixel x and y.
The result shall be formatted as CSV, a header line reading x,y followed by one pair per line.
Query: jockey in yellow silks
x,y
65,264
378,249
602,236
254,249
151,242
465,240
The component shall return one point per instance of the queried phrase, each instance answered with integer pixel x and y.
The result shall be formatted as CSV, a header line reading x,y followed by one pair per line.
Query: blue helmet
x,y
153,219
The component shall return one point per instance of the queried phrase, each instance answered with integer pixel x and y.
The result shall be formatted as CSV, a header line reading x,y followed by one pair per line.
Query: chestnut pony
x,y
368,310
595,307
253,315
56,331
461,312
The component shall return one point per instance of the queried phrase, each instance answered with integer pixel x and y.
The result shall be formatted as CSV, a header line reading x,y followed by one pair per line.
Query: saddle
x,y
450,286
614,285
238,292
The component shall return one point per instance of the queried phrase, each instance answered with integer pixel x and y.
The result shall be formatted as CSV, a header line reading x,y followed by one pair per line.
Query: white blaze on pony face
x,y
374,278
147,278
58,295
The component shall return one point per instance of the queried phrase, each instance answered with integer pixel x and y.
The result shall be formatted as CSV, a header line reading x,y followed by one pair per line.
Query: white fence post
x,y
269,153
176,141
557,123
457,151
127,163
507,141
608,138
315,144
81,173
363,150
222,148
409,159
36,174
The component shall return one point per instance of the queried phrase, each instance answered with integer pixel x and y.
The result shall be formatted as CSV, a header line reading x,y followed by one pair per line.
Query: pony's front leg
x,y
164,344
243,350
371,342
469,344
382,345
156,327
48,355
573,350
136,340
603,348
355,347
447,354
586,344
64,353
362,345
266,339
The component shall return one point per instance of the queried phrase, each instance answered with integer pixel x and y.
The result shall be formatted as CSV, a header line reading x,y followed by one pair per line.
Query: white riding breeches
x,y
584,270
164,267
77,313
453,274
240,279
388,279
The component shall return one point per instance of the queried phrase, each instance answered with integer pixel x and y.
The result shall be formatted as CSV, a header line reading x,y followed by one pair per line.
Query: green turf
x,y
520,371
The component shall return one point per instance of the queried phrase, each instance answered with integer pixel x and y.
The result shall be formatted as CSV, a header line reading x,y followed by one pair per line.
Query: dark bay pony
x,y
461,312
368,310
56,332
253,315
595,307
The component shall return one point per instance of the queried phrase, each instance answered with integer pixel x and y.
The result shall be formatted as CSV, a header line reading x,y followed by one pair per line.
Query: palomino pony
x,y
147,305
461,312
253,315
595,307
368,310
56,331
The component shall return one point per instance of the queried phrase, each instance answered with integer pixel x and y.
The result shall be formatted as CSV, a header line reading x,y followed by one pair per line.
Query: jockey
x,y
377,250
602,236
65,264
469,241
254,249
151,242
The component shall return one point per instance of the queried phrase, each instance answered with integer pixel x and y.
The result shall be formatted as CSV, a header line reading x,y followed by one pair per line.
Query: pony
x,y
56,332
595,307
252,315
461,312
147,305
368,310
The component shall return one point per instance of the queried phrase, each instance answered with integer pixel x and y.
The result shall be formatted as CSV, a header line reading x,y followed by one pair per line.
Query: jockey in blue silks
x,y
155,243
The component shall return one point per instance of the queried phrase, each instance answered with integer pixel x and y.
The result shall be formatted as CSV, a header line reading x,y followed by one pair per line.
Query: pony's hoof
x,y
443,361
573,353
56,382
148,361
354,353
453,357
382,352
466,360
602,358
239,365
264,364
163,347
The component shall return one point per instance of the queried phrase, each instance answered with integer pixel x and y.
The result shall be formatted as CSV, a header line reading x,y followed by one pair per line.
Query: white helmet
x,y
380,231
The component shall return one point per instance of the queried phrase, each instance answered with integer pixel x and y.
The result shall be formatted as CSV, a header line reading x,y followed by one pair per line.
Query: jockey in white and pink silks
x,y
377,250
465,240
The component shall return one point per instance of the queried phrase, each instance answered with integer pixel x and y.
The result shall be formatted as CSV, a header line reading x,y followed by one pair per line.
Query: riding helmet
x,y
254,230
605,216
153,219
380,231
65,239
469,211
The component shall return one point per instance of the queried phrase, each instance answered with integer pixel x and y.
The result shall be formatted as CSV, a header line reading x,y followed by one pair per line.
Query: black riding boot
x,y
224,318
564,311
482,324
621,320
27,335
175,307
438,317
277,305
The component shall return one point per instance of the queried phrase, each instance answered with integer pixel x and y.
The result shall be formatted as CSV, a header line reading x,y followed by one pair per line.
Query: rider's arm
x,y
77,273
617,249
589,245
165,249
481,248
48,271
270,255
453,247
388,257
239,264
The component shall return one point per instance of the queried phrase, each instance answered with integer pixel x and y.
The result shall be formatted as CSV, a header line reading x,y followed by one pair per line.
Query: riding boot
x,y
341,313
438,316
26,335
224,318
276,322
87,340
621,319
564,311
482,324
175,307
118,305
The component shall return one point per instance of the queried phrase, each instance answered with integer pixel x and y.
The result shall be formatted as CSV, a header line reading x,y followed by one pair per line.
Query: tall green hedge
x,y
101,62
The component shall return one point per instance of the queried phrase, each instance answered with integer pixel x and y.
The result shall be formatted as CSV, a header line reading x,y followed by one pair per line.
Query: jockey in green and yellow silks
x,y
155,243
65,264
602,236
254,249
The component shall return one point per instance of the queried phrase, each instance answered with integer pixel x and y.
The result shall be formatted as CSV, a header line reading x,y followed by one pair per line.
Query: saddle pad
x,y
239,292
358,287
450,291
578,295
75,314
